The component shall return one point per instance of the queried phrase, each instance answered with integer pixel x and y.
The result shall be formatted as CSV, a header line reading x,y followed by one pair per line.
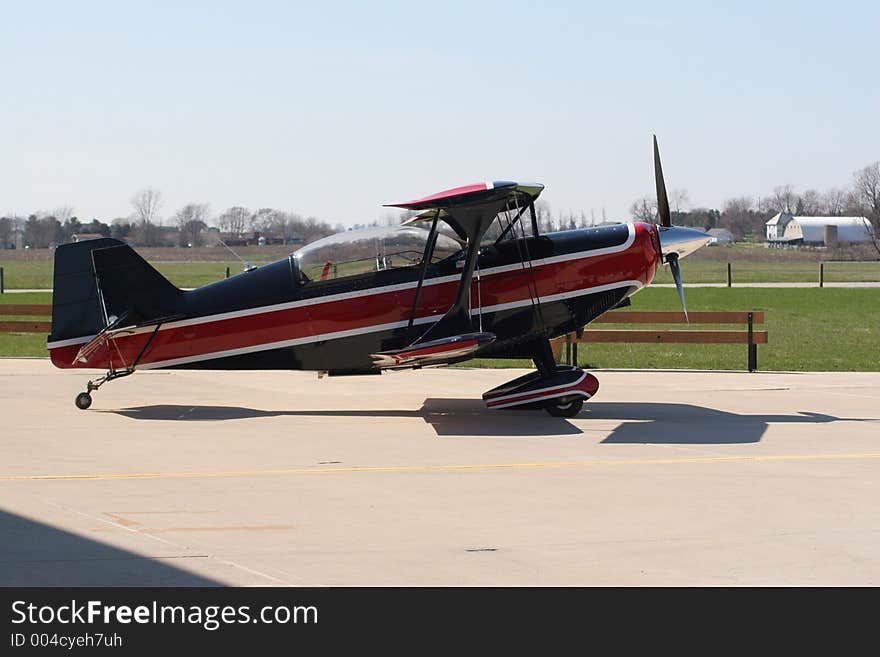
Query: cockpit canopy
x,y
368,250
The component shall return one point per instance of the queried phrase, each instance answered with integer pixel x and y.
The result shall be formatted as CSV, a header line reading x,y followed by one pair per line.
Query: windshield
x,y
356,252
500,228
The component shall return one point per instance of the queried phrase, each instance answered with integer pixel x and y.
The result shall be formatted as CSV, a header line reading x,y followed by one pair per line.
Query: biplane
x,y
467,275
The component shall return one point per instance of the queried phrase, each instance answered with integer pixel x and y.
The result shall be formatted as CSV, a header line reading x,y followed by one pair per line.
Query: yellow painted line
x,y
440,468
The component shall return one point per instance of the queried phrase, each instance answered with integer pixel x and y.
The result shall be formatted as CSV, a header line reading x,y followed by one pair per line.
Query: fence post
x,y
2,289
729,275
227,272
753,348
821,274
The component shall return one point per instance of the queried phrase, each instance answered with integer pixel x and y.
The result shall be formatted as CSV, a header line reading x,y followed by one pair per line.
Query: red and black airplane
x,y
479,281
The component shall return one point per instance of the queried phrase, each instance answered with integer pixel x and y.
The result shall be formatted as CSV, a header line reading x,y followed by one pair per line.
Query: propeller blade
x,y
662,200
672,259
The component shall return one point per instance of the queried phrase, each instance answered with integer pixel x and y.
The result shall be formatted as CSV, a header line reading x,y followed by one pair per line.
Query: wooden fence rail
x,y
749,337
25,325
569,342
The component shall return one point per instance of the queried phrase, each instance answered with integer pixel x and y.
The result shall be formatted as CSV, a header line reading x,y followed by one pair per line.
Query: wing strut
x,y
453,335
475,220
426,260
469,211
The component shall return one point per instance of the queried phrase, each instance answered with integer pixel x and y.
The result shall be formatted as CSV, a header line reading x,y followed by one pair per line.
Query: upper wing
x,y
454,206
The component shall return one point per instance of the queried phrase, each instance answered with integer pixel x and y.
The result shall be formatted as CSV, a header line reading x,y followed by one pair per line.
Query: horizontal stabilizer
x,y
120,327
94,346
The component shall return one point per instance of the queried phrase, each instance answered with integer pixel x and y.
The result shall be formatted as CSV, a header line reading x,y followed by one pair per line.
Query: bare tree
x,y
739,217
852,205
147,203
784,199
191,220
867,194
643,209
64,213
867,189
285,225
765,205
145,216
234,221
833,202
810,203
680,200
261,221
314,229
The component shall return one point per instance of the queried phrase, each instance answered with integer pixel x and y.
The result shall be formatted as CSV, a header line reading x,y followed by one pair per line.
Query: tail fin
x,y
99,280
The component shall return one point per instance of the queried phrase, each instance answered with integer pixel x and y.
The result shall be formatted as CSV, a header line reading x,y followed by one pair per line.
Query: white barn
x,y
813,230
776,226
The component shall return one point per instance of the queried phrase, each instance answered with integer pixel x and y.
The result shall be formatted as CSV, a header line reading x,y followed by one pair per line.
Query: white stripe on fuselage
x,y
380,327
342,296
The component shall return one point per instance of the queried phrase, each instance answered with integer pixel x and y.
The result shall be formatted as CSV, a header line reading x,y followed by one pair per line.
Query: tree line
x,y
189,225
746,215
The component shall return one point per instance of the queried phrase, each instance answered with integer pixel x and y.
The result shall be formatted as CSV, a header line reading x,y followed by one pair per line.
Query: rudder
x,y
98,280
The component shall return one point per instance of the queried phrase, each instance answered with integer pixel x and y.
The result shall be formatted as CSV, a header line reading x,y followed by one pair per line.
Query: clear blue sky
x,y
333,108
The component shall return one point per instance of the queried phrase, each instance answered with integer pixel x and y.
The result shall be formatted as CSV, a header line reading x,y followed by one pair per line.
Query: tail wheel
x,y
564,409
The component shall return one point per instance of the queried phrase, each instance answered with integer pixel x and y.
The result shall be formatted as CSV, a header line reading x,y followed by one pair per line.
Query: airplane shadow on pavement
x,y
448,417
674,423
657,423
36,554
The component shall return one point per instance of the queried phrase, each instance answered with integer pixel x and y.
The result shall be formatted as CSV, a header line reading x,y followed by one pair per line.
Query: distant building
x,y
817,231
776,226
82,237
720,236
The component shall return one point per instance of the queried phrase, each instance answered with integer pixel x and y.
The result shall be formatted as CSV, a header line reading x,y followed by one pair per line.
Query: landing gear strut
x,y
84,399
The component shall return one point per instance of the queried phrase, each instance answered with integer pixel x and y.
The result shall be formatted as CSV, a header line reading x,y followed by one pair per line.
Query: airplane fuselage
x,y
269,319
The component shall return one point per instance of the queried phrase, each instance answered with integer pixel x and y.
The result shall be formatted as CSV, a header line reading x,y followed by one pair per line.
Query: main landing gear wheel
x,y
83,400
568,409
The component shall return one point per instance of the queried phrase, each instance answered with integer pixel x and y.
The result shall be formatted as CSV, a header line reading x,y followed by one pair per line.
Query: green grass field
x,y
23,344
745,271
37,274
810,329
